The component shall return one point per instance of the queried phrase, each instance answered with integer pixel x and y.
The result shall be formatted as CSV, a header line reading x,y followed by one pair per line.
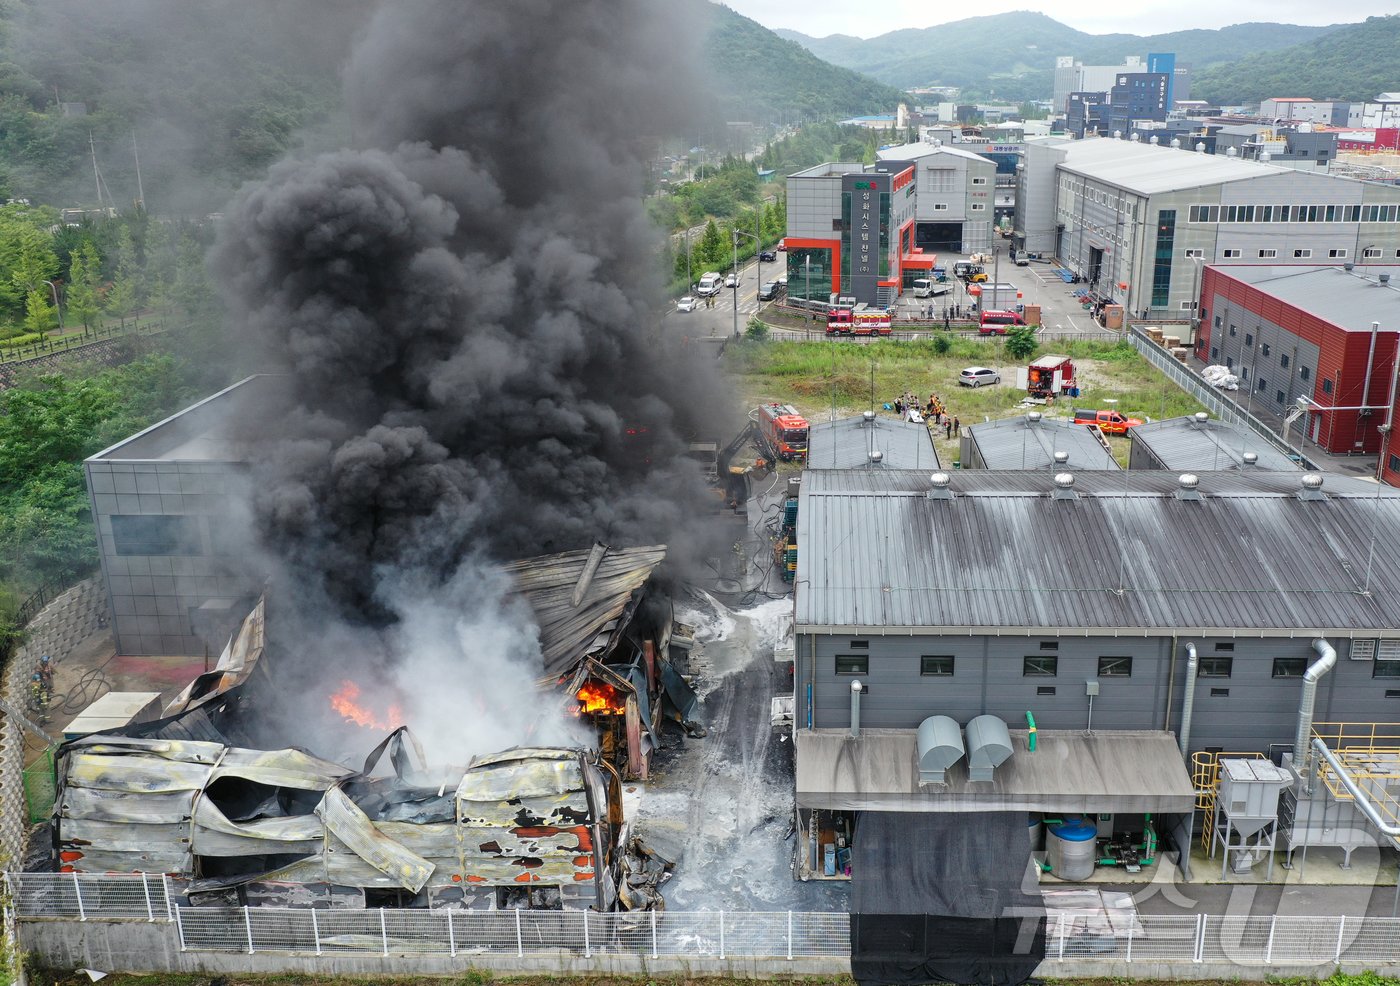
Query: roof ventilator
x,y
940,746
1188,486
1312,487
1384,279
876,457
1201,418
1061,459
1251,458
868,417
938,488
1033,418
988,747
1064,487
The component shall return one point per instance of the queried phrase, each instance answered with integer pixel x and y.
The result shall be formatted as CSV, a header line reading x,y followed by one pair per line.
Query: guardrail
x,y
1210,397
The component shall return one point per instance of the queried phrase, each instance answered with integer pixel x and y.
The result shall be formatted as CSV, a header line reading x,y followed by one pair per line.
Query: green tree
x,y
84,287
126,293
1020,342
39,315
711,250
192,291
756,330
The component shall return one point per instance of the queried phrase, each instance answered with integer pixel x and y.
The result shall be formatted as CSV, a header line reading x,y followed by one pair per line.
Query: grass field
x,y
853,377
478,979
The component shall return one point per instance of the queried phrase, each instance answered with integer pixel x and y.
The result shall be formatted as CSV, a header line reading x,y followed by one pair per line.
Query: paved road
x,y
719,321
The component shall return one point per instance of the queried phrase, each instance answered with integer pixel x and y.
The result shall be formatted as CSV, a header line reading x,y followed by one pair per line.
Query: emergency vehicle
x,y
843,321
782,431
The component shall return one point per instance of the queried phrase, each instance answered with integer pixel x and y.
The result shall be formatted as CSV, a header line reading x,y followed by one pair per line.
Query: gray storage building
x,y
1032,441
870,440
1200,443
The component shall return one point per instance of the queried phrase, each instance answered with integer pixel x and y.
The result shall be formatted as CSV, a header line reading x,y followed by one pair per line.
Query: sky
x,y
867,18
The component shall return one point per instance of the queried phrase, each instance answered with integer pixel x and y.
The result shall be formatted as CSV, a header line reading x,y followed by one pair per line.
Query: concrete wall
x,y
1035,197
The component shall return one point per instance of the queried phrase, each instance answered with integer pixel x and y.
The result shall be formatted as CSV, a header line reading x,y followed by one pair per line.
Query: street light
x,y
57,307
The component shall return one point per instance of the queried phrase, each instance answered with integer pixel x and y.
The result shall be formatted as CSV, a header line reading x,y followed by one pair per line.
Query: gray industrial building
x,y
1033,441
1122,212
166,507
955,196
1197,443
872,441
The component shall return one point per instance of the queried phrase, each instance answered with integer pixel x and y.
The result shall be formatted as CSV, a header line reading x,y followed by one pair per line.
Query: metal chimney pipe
x,y
1302,746
1188,702
855,709
1370,361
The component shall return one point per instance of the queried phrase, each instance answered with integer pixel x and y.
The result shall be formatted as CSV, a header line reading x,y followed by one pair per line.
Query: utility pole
x,y
140,191
735,234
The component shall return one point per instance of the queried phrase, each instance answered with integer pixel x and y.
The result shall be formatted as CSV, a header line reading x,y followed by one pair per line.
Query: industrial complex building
x,y
870,441
1317,344
1137,221
1034,441
1200,443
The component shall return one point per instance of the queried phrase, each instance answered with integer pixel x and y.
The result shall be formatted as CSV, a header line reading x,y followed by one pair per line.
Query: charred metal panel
x,y
345,820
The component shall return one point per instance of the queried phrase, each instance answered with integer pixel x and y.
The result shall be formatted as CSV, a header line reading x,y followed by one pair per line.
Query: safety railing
x,y
1251,942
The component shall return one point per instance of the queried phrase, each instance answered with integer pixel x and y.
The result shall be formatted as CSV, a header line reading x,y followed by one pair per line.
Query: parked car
x,y
730,281
1109,422
782,245
978,376
686,304
768,256
770,290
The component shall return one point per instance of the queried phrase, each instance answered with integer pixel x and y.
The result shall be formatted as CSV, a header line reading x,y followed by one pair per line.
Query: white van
x,y
709,284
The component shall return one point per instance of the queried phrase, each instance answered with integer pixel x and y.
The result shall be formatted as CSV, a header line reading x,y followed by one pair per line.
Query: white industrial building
x,y
955,196
1149,216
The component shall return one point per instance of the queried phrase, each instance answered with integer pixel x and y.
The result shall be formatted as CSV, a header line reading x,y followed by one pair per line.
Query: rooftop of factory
x,y
1137,552
1152,169
1023,443
1349,299
920,149
1189,444
218,429
848,443
829,169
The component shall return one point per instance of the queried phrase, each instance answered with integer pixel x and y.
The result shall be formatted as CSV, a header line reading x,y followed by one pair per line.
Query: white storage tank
x,y
1036,829
1072,849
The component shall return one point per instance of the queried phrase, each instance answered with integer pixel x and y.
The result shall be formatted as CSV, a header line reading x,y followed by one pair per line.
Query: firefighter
x,y
44,669
39,697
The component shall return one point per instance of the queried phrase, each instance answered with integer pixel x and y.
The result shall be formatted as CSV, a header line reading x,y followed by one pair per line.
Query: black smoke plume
x,y
465,309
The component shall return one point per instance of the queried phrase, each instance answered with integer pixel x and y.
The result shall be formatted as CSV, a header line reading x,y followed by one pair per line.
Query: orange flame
x,y
345,701
599,698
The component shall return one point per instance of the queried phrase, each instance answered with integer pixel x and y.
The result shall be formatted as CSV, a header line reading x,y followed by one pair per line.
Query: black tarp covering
x,y
944,898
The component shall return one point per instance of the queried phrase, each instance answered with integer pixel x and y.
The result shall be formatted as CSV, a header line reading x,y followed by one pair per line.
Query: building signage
x,y
867,194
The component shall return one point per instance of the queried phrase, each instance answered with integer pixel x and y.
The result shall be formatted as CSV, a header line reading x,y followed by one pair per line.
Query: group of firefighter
x,y
933,413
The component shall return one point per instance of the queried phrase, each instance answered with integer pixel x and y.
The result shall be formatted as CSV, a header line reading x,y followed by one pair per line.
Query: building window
x,y
1193,253
1283,361
1231,254
1232,332
1115,667
1045,690
1214,352
1162,258
1278,397
1049,645
1262,385
1267,254
1327,386
979,207
1220,693
936,666
1395,463
1040,666
860,645
1290,667
940,207
1336,254
979,181
1385,669
1244,373
1216,321
1371,253
1301,254
1249,338
154,534
1188,306
1215,667
852,663
1225,647
1264,348
1304,372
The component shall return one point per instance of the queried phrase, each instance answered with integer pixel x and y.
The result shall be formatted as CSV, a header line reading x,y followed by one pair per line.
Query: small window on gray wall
x,y
1040,666
1290,667
1049,645
936,666
1385,669
1225,646
1304,372
852,663
154,534
860,645
1215,667
1115,667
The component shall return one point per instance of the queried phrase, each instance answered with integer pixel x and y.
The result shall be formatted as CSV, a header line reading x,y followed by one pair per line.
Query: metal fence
x,y
1078,335
1210,397
1257,941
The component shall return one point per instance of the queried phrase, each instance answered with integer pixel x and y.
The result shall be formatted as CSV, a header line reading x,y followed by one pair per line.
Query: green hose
x,y
1030,736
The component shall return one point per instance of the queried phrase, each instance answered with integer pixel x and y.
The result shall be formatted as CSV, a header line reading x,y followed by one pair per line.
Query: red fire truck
x,y
782,432
843,321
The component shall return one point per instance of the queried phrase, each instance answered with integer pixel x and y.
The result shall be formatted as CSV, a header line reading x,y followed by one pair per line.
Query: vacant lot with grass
x,y
850,377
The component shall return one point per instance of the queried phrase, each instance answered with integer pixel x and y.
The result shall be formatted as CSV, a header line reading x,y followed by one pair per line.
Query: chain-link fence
x,y
1253,943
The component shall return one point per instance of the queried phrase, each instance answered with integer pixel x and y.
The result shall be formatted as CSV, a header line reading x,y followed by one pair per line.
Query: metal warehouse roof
x,y
1070,771
847,444
1185,443
1151,170
1350,300
1018,443
923,149
1125,554
209,430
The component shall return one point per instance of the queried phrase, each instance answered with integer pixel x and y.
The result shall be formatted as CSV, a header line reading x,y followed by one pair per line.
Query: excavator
x,y
728,477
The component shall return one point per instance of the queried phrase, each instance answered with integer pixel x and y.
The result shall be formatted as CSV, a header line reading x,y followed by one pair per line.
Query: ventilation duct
x,y
1302,748
856,687
988,747
1188,703
940,746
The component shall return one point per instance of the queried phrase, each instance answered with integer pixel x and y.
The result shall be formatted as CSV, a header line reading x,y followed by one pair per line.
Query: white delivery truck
x,y
710,283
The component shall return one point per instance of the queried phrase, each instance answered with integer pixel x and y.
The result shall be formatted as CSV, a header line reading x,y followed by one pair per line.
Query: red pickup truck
x,y
1109,422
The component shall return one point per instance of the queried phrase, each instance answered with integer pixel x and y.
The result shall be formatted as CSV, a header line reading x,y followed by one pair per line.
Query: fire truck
x,y
843,321
782,432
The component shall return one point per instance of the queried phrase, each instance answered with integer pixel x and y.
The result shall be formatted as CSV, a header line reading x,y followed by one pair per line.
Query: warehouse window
x,y
154,534
860,645
1049,645
940,207
1327,385
936,666
1231,254
1188,306
979,207
1249,338
1215,667
1395,463
1193,253
1336,254
1232,332
1220,693
1216,321
979,181
1162,258
1115,667
1290,667
1385,669
1301,254
1278,398
1264,348
1370,253
1267,254
1045,690
1214,352
1225,647
852,663
1262,385
1040,666
1304,372
1283,360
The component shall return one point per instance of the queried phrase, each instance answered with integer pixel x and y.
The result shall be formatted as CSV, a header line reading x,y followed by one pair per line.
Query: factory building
x,y
872,441
1136,221
1199,443
1318,343
1034,441
955,195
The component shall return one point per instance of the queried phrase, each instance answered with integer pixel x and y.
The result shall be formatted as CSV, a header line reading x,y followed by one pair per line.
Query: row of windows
x,y
1293,213
1270,253
1048,666
1100,196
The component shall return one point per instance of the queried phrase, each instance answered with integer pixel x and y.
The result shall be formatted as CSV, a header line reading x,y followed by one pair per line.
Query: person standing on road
x,y
947,321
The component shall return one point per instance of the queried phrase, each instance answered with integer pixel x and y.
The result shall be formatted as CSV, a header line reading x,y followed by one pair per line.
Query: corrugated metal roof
x,y
875,552
569,632
922,149
1350,300
1184,443
1151,170
1017,443
847,443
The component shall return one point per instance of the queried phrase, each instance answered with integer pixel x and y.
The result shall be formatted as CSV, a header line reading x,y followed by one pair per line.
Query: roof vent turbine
x,y
1311,488
1064,487
938,486
1187,486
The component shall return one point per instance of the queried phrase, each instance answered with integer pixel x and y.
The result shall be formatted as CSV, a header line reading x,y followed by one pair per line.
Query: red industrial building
x,y
1326,335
